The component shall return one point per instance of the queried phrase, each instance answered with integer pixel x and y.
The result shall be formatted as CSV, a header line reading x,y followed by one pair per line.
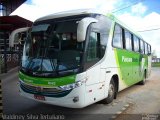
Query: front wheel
x,y
111,92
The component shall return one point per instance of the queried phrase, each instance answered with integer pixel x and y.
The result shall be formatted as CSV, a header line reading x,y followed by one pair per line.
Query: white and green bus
x,y
76,58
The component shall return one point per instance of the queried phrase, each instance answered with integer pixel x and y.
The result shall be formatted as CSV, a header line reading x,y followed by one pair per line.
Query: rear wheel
x,y
111,92
144,79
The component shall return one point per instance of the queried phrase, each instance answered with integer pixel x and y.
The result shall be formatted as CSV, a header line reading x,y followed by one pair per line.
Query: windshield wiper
x,y
52,64
30,61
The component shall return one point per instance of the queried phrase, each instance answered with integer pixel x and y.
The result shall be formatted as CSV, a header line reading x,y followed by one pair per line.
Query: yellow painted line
x,y
119,112
126,105
124,108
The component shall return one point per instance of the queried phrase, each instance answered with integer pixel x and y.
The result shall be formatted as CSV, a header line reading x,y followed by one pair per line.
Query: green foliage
x,y
156,64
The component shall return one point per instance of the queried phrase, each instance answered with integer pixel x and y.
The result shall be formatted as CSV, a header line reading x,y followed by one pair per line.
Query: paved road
x,y
134,100
144,100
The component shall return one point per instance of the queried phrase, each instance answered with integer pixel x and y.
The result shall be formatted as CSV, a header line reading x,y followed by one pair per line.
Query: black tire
x,y
144,79
111,92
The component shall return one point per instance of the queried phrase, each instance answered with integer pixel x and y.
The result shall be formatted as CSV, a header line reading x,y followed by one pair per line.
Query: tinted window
x,y
146,48
103,43
149,49
117,39
93,52
128,40
103,27
142,47
136,44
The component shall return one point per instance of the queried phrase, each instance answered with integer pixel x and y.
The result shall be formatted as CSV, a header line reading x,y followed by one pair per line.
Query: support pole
x,y
5,52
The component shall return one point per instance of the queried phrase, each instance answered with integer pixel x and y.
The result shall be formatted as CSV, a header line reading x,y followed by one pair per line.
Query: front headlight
x,y
71,86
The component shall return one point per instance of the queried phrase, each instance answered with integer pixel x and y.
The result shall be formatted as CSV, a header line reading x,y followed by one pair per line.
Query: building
x,y
8,6
10,57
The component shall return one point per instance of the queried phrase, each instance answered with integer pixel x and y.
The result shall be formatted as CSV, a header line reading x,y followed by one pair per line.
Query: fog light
x,y
75,99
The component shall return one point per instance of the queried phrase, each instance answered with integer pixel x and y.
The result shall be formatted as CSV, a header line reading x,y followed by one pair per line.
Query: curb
x,y
1,106
9,72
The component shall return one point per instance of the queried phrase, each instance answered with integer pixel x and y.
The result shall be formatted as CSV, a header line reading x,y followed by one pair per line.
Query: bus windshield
x,y
52,49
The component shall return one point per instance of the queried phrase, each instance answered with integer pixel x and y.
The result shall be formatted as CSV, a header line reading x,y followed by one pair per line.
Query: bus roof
x,y
68,13
112,17
87,11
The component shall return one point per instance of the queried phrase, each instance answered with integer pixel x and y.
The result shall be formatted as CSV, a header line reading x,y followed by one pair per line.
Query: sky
x,y
141,15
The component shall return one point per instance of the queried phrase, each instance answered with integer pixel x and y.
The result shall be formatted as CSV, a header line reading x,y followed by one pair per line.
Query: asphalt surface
x,y
139,100
144,99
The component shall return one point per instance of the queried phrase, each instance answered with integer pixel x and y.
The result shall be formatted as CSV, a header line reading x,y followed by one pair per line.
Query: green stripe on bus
x,y
47,82
119,71
130,65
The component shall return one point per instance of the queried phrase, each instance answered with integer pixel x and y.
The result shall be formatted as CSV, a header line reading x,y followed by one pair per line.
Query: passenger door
x,y
94,88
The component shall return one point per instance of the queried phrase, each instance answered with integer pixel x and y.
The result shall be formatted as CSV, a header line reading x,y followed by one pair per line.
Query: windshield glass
x,y
52,49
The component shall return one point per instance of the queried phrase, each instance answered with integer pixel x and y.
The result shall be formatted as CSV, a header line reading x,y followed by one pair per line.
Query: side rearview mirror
x,y
82,27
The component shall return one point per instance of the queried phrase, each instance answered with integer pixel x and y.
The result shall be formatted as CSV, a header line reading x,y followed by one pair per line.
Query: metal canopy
x,y
10,23
10,57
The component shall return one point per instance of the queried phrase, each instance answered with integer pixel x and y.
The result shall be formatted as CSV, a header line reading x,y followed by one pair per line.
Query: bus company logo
x,y
30,81
126,59
39,89
52,83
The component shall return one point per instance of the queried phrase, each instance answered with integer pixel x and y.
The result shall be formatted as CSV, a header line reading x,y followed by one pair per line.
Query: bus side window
x,y
149,49
93,52
117,39
142,47
136,44
146,49
128,40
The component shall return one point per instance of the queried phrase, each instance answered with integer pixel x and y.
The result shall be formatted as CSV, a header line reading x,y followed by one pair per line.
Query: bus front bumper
x,y
75,99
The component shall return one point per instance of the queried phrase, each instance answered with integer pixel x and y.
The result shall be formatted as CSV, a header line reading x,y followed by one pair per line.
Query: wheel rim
x,y
111,91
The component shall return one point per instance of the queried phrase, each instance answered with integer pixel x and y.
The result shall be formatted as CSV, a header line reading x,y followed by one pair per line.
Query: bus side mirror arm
x,y
82,27
13,34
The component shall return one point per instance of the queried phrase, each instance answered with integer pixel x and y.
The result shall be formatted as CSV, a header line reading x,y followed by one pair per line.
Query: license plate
x,y
39,97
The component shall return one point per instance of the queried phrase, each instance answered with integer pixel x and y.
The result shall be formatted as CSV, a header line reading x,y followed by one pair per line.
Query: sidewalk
x,y
4,75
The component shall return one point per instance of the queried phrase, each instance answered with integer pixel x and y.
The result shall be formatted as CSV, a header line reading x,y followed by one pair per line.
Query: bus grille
x,y
40,89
